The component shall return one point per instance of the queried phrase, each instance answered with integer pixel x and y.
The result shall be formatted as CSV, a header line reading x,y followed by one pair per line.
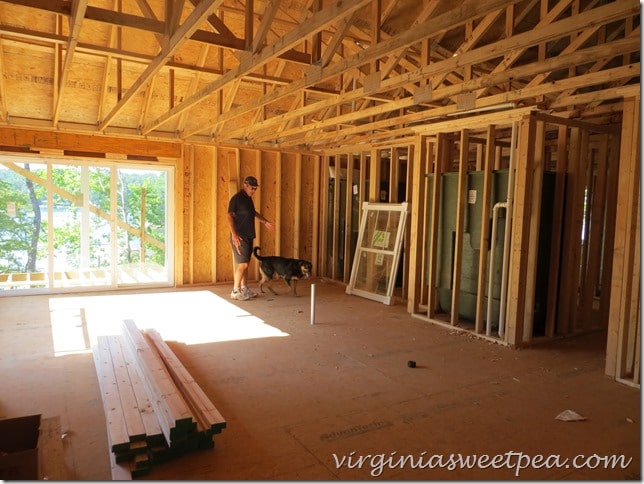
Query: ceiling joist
x,y
310,74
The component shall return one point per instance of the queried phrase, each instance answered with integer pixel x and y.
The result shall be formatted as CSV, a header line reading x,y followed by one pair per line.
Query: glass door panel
x,y
77,227
141,230
100,234
23,227
65,221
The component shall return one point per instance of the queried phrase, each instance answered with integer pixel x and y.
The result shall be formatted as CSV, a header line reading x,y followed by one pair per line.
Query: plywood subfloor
x,y
298,398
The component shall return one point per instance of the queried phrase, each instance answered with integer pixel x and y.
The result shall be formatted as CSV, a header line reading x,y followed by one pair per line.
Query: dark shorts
x,y
246,249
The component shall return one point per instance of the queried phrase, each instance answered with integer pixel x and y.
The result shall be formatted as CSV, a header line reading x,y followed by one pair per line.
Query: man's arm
x,y
233,232
264,220
231,223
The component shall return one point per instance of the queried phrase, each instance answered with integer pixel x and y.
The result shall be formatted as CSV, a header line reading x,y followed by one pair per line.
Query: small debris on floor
x,y
570,416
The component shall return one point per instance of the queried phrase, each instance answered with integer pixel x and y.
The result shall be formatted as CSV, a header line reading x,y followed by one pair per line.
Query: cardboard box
x,y
19,447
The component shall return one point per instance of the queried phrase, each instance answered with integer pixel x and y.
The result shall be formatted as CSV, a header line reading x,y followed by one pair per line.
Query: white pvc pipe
x,y
490,279
506,247
312,304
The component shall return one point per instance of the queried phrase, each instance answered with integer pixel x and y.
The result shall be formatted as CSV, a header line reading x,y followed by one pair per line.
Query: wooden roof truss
x,y
308,74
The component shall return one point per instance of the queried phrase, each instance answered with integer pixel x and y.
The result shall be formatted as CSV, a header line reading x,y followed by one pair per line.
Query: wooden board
x,y
129,405
79,142
460,225
120,470
174,415
153,432
417,227
484,241
202,407
117,433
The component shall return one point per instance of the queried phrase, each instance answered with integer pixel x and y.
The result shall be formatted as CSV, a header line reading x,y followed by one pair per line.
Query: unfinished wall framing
x,y
549,185
581,166
287,192
623,354
580,202
380,175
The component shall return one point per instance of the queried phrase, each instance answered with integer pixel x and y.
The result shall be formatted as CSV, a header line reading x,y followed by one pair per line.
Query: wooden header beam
x,y
34,139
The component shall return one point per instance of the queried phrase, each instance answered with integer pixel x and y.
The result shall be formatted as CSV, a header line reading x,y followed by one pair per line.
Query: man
x,y
241,218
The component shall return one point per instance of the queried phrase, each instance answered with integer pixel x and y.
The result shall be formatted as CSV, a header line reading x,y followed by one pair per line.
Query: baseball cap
x,y
251,180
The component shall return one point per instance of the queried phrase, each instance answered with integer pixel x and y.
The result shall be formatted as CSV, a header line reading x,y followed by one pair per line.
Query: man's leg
x,y
238,277
242,259
241,271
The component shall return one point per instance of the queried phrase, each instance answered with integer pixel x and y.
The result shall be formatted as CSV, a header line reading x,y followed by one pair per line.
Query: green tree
x,y
16,227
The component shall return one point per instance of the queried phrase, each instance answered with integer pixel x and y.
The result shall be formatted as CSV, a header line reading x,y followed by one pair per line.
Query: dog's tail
x,y
256,252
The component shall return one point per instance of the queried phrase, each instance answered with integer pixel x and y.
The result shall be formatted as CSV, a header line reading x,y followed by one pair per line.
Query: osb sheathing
x,y
268,199
205,212
307,209
211,175
226,178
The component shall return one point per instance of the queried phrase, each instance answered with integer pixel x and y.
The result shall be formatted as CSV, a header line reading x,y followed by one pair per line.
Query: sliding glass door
x,y
141,205
77,225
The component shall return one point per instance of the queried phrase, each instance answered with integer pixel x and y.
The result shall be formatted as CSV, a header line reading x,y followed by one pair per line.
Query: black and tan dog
x,y
291,270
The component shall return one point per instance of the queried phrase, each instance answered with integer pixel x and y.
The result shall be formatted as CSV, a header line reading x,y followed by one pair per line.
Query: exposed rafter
x,y
252,62
76,19
309,74
179,37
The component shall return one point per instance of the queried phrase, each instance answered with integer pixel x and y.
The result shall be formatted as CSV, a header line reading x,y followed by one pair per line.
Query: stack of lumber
x,y
154,409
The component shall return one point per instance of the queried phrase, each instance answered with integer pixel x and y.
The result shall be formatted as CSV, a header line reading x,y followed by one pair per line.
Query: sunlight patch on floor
x,y
191,317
